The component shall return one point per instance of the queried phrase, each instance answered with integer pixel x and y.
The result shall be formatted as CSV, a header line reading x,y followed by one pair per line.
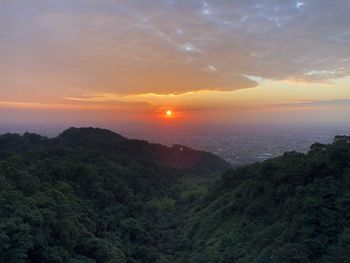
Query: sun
x,y
169,113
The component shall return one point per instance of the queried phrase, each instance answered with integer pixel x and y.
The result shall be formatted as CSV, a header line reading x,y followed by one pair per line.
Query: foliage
x,y
87,195
90,195
162,204
294,208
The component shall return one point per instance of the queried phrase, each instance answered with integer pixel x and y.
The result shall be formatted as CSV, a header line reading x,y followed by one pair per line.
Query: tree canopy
x,y
294,208
90,195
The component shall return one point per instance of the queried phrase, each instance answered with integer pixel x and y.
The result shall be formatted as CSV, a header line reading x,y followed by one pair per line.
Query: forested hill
x,y
295,208
112,144
90,195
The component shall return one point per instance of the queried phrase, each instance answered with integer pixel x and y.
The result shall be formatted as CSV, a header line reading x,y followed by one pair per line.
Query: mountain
x,y
295,208
178,157
91,195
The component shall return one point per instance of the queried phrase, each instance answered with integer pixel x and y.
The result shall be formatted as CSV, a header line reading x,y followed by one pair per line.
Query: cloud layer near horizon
x,y
65,48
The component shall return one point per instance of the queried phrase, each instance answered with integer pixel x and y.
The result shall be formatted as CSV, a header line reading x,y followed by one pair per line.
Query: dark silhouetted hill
x,y
294,208
90,195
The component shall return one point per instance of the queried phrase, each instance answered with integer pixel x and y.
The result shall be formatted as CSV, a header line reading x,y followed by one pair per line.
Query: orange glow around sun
x,y
169,113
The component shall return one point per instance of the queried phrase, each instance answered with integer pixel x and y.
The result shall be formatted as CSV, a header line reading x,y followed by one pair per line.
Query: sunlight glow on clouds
x,y
59,51
103,45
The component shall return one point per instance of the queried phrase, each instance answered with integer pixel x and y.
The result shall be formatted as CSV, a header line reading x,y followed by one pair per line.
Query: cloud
x,y
212,68
108,98
86,103
316,103
188,47
131,47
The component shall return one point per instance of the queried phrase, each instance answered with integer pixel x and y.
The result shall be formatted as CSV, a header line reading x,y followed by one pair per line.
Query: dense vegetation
x,y
295,208
90,195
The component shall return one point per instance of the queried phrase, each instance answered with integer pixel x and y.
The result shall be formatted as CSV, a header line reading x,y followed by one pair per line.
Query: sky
x,y
97,62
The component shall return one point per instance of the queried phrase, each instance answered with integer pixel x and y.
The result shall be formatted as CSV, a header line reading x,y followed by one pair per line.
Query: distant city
x,y
238,147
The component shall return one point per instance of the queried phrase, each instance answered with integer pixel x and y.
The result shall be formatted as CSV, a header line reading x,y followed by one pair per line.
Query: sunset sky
x,y
89,62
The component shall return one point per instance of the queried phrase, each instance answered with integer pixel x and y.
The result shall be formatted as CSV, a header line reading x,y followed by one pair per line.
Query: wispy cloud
x,y
164,47
92,105
314,104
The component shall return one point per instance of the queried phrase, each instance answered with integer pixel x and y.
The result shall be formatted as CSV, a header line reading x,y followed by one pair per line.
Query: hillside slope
x,y
295,208
89,195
